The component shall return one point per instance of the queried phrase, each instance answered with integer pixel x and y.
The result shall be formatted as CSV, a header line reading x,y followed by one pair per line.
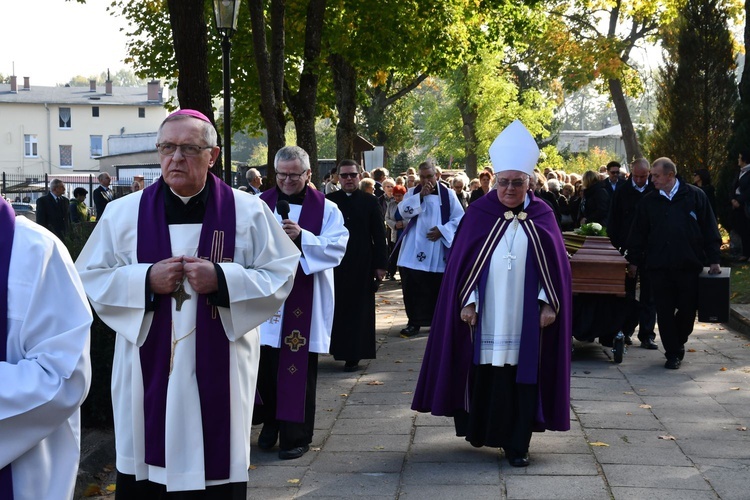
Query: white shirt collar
x,y
672,192
639,189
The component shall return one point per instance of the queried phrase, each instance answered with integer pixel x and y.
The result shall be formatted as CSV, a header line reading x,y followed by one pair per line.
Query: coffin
x,y
596,265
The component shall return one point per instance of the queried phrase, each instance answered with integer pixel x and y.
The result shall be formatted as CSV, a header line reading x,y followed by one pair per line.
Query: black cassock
x,y
353,335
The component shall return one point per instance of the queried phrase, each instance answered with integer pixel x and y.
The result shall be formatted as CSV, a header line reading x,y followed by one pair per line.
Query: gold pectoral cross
x,y
180,295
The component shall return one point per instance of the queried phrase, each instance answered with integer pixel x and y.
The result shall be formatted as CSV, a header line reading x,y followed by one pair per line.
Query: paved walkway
x,y
637,430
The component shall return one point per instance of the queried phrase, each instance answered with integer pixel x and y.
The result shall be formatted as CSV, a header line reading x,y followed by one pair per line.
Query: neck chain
x,y
509,241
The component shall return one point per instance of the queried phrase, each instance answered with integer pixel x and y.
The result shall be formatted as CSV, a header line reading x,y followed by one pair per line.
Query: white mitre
x,y
514,149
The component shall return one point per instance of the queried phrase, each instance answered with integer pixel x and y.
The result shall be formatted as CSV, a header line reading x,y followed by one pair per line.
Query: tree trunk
x,y
191,53
469,119
302,104
632,149
270,75
345,87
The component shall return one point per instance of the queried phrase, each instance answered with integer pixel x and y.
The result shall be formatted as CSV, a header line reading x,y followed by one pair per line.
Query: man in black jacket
x,y
641,312
675,235
52,209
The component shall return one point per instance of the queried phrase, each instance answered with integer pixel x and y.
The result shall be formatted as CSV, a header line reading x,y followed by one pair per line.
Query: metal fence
x,y
20,188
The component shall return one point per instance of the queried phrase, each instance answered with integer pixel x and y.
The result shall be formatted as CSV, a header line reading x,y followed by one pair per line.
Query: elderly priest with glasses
x,y
498,356
185,271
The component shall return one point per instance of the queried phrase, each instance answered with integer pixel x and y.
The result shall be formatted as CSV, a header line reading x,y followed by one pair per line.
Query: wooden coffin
x,y
598,268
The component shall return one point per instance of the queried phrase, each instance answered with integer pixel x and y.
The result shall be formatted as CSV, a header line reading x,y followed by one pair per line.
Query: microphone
x,y
282,208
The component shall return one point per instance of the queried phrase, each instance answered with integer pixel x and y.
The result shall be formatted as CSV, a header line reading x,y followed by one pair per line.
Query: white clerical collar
x,y
186,199
639,189
672,191
744,169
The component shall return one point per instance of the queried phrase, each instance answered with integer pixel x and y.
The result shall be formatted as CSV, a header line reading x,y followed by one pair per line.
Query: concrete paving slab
x,y
555,464
715,431
372,426
385,398
254,493
451,473
697,449
556,487
633,421
558,442
729,478
364,443
452,492
459,451
636,448
376,411
359,462
650,476
276,476
619,493
343,485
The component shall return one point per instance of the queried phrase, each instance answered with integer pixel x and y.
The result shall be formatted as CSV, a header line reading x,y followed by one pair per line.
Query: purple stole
x,y
445,215
295,324
217,243
7,229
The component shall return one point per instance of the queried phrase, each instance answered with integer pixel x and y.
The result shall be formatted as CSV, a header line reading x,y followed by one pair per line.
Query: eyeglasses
x,y
292,177
168,149
516,183
348,175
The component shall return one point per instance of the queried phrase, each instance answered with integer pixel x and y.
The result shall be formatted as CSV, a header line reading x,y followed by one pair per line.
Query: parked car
x,y
25,209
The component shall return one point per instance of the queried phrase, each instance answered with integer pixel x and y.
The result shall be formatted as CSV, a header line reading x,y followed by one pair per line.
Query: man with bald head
x,y
625,199
674,236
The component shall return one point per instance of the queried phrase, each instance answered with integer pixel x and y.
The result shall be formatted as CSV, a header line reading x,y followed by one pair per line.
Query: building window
x,y
65,119
30,146
141,112
95,111
96,146
66,156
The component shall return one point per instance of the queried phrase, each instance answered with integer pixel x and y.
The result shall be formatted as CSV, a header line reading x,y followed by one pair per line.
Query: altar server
x,y
45,371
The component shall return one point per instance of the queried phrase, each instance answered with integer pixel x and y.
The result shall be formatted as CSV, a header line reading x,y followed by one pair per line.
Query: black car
x,y
26,209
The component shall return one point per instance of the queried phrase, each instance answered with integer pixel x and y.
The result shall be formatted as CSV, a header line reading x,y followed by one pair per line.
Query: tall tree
x,y
592,41
698,91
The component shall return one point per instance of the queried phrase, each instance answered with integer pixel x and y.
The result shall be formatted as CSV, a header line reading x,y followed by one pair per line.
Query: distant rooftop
x,y
33,94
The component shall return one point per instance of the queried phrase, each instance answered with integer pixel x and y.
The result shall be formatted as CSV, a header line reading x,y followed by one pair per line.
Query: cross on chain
x,y
180,295
510,258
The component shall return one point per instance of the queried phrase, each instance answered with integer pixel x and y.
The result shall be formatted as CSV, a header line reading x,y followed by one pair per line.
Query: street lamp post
x,y
225,12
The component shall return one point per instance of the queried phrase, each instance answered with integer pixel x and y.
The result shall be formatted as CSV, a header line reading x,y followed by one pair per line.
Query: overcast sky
x,y
51,41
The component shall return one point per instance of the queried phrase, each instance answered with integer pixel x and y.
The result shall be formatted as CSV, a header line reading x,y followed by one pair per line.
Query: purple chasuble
x,y
217,243
445,215
7,229
544,357
295,324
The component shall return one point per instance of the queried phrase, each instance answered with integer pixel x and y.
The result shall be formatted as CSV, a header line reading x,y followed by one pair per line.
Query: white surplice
x,y
417,252
320,254
501,311
258,280
47,373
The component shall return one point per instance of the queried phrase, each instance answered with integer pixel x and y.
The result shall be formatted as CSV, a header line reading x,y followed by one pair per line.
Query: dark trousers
x,y
128,488
641,312
676,299
420,289
741,224
291,434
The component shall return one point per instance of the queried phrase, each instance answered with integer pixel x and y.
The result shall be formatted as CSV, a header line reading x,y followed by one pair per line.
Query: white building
x,y
65,130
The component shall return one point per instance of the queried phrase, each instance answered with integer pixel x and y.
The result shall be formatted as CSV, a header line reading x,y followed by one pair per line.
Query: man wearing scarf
x,y
185,271
292,338
45,370
432,212
498,355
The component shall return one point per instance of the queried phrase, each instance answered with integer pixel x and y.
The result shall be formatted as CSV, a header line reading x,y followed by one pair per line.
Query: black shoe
x,y
293,453
628,340
649,344
267,438
409,331
522,461
351,366
673,363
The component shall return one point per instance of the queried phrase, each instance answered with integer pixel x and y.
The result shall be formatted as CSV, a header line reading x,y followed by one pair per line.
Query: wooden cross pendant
x,y
180,295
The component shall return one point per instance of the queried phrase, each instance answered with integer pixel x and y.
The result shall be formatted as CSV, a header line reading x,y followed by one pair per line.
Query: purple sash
x,y
445,214
295,325
217,243
7,229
